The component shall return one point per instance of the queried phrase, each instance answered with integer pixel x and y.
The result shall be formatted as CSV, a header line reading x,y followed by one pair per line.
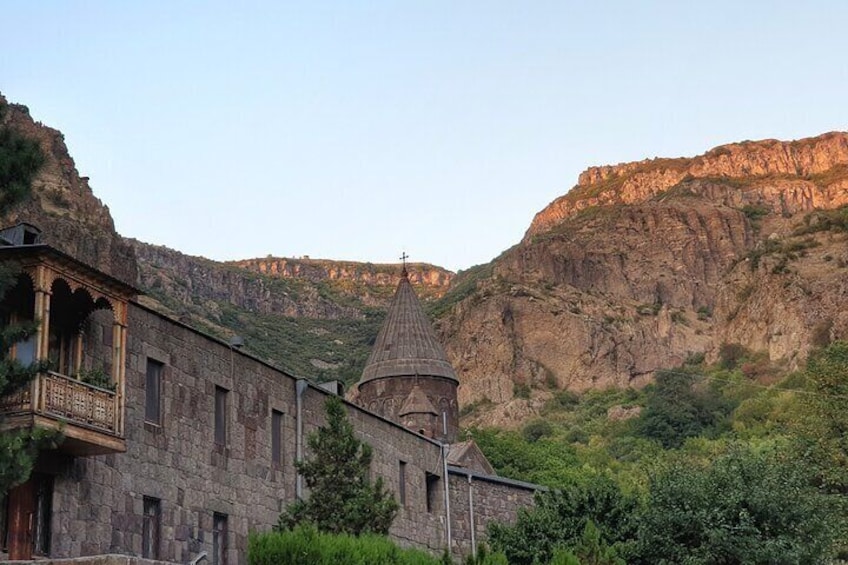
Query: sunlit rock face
x,y
643,265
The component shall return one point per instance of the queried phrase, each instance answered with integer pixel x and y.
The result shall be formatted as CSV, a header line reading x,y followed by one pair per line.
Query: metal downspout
x,y
471,516
300,386
447,496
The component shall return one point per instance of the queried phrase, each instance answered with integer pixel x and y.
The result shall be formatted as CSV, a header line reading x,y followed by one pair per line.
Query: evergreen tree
x,y
342,498
20,160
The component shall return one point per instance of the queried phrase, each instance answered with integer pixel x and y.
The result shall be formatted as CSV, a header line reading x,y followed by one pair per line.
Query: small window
x,y
402,482
276,438
221,415
150,528
432,491
219,539
153,392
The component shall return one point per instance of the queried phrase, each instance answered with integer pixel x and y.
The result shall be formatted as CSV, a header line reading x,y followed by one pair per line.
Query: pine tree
x,y
20,160
342,499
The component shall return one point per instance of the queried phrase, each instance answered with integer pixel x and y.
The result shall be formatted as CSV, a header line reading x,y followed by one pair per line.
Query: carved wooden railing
x,y
68,399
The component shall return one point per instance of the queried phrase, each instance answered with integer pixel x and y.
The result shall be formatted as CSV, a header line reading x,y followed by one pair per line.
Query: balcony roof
x,y
45,254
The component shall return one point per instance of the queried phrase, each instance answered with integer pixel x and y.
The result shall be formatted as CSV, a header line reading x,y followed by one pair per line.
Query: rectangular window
x,y
402,482
432,491
150,528
221,415
276,438
219,539
153,392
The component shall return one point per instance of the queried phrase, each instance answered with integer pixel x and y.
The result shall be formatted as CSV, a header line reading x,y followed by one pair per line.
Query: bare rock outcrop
x,y
63,205
629,183
645,265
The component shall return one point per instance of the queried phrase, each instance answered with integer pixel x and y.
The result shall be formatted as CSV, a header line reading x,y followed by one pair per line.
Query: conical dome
x,y
407,344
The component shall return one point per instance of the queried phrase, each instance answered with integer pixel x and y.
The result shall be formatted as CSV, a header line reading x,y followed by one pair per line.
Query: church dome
x,y
407,344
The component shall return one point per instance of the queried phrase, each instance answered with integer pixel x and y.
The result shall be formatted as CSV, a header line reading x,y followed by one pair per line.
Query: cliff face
x,y
798,162
372,283
64,207
639,267
190,280
643,265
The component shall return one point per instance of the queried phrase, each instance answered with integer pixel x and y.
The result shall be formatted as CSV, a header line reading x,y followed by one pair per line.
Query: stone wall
x,y
98,502
476,500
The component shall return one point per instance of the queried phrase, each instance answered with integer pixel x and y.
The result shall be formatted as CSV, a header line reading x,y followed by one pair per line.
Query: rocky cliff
x,y
643,265
640,266
63,204
798,161
372,283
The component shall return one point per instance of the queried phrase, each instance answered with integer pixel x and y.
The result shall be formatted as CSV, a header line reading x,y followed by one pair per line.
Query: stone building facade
x,y
206,443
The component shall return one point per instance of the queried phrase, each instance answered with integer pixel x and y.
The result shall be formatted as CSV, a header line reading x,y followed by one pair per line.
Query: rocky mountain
x,y
316,318
640,266
313,317
64,206
643,265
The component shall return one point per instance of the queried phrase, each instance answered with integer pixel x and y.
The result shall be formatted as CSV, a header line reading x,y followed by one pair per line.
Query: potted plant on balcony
x,y
96,376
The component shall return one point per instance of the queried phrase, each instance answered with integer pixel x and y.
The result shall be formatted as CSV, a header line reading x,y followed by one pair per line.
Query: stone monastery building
x,y
177,443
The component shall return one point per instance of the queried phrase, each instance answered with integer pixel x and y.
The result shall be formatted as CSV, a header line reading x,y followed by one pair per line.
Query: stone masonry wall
x,y
493,500
98,501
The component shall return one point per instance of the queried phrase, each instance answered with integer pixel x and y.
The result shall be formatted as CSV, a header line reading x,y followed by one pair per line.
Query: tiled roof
x,y
406,344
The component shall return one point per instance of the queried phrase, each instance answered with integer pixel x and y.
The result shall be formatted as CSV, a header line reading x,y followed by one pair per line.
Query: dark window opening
x,y
219,539
221,415
153,392
43,512
276,437
4,523
432,491
150,528
402,482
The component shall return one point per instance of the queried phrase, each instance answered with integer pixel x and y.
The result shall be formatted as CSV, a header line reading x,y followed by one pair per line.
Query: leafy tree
x,y
823,421
560,520
677,408
342,498
744,508
20,160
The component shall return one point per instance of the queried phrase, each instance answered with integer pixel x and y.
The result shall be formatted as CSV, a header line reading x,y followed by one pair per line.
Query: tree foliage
x,y
679,406
20,160
342,498
560,521
744,508
823,422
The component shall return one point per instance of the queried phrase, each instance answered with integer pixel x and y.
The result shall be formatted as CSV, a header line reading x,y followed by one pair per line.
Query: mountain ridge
x,y
640,267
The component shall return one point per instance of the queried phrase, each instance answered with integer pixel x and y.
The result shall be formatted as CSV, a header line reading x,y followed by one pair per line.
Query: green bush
x,y
745,507
536,430
304,545
561,520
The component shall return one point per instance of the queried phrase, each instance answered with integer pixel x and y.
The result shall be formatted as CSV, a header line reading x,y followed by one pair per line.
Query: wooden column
x,y
119,362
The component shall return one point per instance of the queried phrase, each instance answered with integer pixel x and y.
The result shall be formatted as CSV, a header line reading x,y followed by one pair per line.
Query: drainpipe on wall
x,y
300,386
471,516
447,496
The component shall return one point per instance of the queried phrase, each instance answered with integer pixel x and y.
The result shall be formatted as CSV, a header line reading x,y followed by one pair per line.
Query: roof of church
x,y
417,402
406,344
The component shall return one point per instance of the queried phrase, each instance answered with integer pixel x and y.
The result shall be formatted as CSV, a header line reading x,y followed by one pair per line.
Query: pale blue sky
x,y
353,130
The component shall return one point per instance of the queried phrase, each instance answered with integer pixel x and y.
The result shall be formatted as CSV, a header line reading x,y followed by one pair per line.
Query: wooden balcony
x,y
89,417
